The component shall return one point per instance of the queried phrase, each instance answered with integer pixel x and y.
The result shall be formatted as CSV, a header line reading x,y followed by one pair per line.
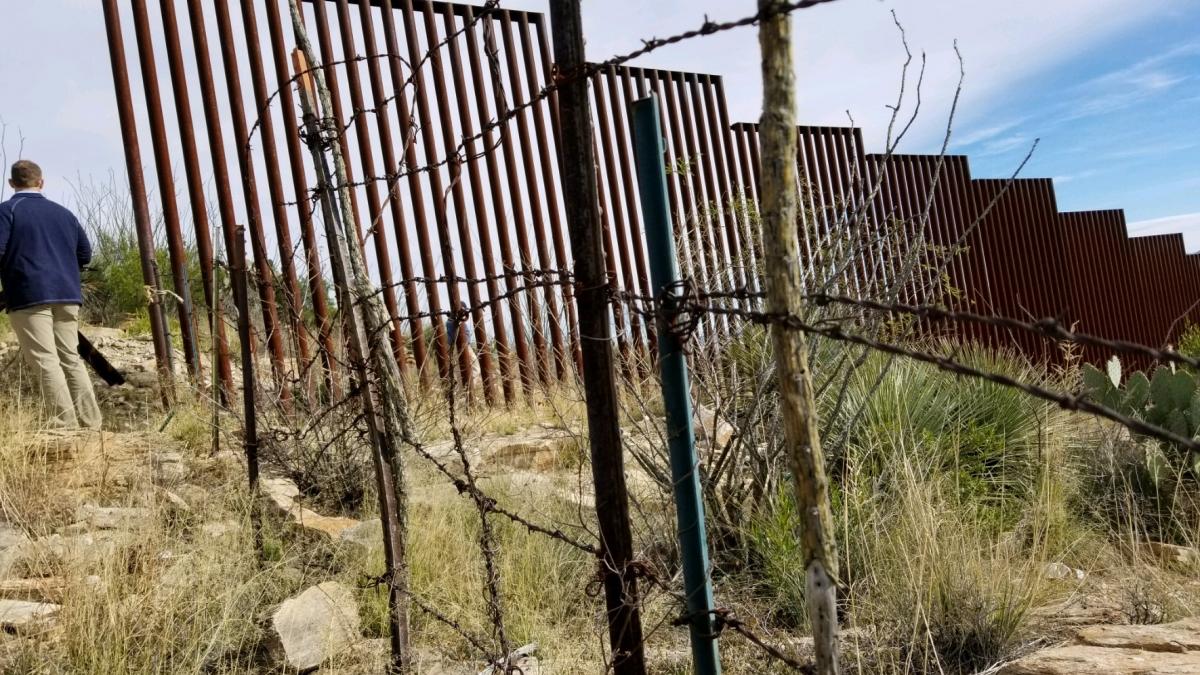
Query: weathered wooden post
x,y
599,379
385,405
785,291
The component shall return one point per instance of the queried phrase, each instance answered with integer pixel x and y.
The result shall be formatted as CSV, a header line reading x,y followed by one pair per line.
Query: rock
x,y
221,529
1171,555
17,615
711,429
521,658
39,589
1089,660
1057,570
1166,649
11,536
285,495
1179,637
546,451
316,625
174,500
368,534
281,491
169,468
112,517
37,557
1079,611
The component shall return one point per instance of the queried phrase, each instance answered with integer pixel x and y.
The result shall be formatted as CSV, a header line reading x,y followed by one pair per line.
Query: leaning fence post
x,y
781,253
664,274
385,404
578,169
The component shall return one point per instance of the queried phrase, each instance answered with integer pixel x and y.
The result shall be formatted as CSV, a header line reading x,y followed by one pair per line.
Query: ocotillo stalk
x,y
385,404
784,294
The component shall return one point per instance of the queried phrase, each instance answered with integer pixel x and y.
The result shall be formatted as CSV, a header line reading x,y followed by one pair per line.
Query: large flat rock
x,y
1180,637
1166,649
316,625
18,615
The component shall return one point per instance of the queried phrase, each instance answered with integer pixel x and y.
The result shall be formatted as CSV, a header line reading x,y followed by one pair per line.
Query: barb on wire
x,y
1048,327
1064,400
559,79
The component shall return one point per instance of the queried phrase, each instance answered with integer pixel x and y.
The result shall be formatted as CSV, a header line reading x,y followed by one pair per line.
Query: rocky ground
x,y
105,492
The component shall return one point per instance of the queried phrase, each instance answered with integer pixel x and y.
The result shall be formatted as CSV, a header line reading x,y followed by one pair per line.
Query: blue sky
x,y
1112,87
1119,124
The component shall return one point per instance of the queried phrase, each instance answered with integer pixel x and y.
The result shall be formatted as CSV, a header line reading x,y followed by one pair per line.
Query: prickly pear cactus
x,y
1169,399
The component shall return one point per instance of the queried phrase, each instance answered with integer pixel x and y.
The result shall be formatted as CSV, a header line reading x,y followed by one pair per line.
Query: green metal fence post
x,y
664,272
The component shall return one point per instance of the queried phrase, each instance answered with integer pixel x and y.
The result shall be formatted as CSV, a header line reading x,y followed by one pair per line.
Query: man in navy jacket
x,y
42,250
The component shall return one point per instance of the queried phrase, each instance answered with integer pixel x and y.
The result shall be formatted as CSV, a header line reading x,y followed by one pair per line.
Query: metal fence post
x,y
664,273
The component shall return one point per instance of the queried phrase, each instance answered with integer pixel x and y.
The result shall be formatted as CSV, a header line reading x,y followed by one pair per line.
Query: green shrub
x,y
984,435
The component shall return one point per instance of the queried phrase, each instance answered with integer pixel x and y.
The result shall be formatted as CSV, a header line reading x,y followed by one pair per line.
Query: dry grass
x,y
936,578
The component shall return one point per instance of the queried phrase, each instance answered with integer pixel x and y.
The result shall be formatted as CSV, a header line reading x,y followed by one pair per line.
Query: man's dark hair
x,y
26,174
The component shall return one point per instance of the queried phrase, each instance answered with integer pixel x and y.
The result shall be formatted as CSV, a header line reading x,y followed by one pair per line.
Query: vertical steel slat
x,y
137,189
956,225
1013,228
750,202
622,111
411,169
331,79
891,228
212,122
482,226
981,267
924,168
698,207
738,188
375,230
812,205
679,156
517,187
436,190
308,237
527,372
912,204
166,186
546,252
392,171
527,367
453,289
1025,267
557,225
838,217
621,230
650,77
258,242
870,222
714,215
287,255
719,134
978,196
839,144
538,361
195,183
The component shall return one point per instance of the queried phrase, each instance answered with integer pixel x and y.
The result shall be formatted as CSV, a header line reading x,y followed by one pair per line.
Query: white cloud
x,y
1187,223
978,135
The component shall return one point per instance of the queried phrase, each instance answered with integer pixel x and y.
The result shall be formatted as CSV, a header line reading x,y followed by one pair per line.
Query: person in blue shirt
x,y
43,248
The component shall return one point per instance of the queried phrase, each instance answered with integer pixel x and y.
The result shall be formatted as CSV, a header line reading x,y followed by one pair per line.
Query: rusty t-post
x,y
785,291
596,341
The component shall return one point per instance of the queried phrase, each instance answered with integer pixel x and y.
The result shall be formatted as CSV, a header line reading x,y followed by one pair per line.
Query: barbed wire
x,y
559,80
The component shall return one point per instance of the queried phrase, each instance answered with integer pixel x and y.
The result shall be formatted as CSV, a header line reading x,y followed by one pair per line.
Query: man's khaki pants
x,y
49,338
